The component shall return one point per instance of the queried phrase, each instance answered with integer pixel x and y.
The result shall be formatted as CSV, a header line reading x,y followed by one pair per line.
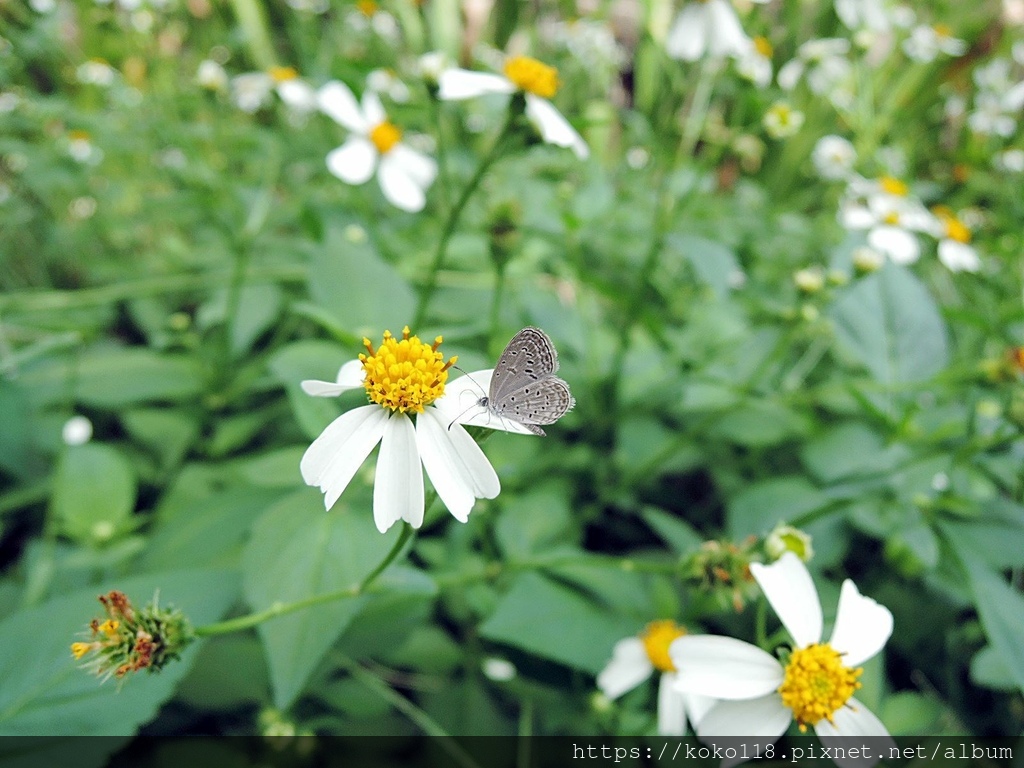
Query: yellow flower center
x,y
532,76
109,627
943,30
78,135
892,218
367,7
817,684
78,650
893,186
657,637
762,46
282,74
385,136
405,374
956,230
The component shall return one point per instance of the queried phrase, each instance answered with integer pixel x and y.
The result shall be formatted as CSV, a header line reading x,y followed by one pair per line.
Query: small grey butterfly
x,y
524,387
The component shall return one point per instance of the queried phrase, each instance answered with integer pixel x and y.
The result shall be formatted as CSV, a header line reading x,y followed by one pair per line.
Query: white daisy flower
x,y
759,696
926,43
833,157
890,215
756,64
824,65
535,80
635,659
955,249
864,14
374,143
96,72
782,121
211,75
404,378
251,91
707,28
76,431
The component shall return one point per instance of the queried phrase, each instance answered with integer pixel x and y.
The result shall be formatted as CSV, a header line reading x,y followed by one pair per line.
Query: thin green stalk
x,y
280,609
430,286
496,297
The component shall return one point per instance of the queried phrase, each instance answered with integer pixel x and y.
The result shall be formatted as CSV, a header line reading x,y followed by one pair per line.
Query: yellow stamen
x,y
893,186
282,74
657,637
367,7
763,46
891,218
532,76
817,684
404,375
385,136
109,627
943,30
78,135
957,230
78,650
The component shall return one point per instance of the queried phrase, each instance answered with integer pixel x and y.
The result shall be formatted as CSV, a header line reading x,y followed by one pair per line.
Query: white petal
x,y
350,376
726,36
789,74
373,110
689,34
457,84
419,167
333,458
764,716
854,216
671,709
724,667
854,720
398,486
401,189
353,161
898,244
461,403
697,705
790,590
553,127
458,469
337,102
862,626
298,94
629,667
958,257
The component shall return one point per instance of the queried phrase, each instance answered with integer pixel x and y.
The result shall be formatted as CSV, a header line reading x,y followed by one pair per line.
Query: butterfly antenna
x,y
461,415
464,373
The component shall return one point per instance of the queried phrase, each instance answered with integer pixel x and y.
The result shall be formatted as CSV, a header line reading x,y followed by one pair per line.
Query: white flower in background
x,y
990,117
833,157
535,80
386,82
891,216
96,72
499,670
81,148
82,208
782,121
926,43
824,66
9,102
758,695
76,431
635,659
43,6
591,43
867,259
251,91
955,249
367,16
211,75
430,65
404,378
707,28
864,14
1010,161
756,64
375,144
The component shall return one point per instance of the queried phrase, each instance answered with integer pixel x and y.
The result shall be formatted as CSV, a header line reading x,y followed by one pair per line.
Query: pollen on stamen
x,y
817,684
404,374
657,637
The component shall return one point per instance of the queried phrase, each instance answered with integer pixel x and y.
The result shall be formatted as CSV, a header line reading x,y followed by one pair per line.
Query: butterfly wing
x,y
528,357
541,402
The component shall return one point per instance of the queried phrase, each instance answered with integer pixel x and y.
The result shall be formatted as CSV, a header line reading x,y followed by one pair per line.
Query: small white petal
x,y
790,590
333,458
350,376
697,705
726,37
373,110
398,486
337,102
419,167
854,216
398,186
318,388
854,719
724,667
553,126
898,244
688,37
671,708
958,257
629,667
298,95
353,161
862,626
790,73
457,84
764,716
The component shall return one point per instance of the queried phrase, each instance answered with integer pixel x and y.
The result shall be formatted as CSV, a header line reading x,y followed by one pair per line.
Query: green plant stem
x,y
499,292
280,609
454,214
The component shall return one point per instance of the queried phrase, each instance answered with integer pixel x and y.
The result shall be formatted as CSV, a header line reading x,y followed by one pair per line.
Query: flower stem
x,y
280,609
455,213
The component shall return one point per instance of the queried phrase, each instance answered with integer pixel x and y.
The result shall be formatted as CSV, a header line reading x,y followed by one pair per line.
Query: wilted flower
x,y
131,640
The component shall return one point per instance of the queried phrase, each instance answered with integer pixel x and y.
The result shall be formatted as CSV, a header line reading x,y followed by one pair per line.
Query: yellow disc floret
x,y
78,650
763,46
282,74
532,76
893,186
817,684
385,136
405,374
657,637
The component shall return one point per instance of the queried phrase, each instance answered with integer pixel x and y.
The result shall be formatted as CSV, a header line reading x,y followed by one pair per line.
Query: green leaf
x,y
757,508
759,424
15,415
714,263
990,670
848,450
298,550
889,323
166,432
673,530
534,521
258,307
93,491
310,360
363,292
541,617
1001,609
45,693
